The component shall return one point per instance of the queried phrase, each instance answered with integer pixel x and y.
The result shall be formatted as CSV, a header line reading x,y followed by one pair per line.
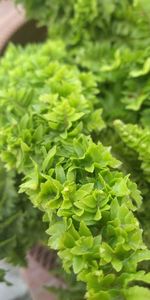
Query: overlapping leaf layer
x,y
51,121
110,38
17,220
57,102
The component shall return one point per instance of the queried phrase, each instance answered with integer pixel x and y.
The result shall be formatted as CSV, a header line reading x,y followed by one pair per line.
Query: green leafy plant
x,y
111,39
17,220
49,135
63,105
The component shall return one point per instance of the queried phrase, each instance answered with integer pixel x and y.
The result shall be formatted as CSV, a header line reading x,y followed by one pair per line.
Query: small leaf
x,y
48,160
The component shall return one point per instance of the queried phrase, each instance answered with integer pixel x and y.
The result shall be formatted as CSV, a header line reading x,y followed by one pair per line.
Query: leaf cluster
x,y
51,121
